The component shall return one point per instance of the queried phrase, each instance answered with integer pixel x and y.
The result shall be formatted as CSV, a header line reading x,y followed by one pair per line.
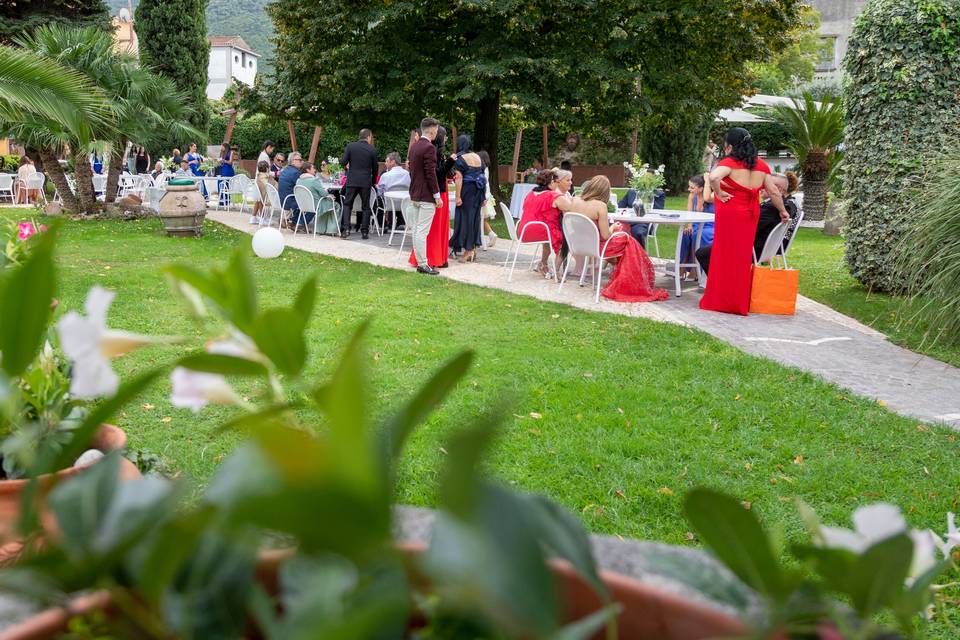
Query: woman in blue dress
x,y
225,171
194,159
471,192
699,198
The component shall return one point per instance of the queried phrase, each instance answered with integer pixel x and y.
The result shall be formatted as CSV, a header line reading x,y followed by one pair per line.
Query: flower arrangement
x,y
334,168
168,164
641,178
209,165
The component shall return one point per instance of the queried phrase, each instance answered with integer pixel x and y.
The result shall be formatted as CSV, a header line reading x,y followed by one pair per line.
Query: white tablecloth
x,y
520,191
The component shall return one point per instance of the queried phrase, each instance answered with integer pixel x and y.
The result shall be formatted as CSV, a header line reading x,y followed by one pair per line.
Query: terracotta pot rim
x,y
48,622
107,438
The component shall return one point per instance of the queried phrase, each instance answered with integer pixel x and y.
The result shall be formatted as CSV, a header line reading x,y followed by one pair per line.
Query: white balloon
x,y
268,242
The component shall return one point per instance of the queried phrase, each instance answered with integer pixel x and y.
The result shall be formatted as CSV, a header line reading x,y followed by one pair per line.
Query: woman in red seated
x,y
544,204
737,181
633,277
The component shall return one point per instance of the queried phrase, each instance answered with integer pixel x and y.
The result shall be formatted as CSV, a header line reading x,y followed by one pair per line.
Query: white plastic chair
x,y
128,184
237,185
391,198
272,200
652,237
214,194
305,204
99,184
36,181
773,246
6,186
336,214
517,241
791,233
583,240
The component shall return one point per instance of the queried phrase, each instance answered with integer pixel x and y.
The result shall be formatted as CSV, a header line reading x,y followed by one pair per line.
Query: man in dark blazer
x,y
360,159
424,192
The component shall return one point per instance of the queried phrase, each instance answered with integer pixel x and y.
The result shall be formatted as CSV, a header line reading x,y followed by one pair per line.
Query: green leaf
x,y
588,626
279,335
564,536
879,573
461,475
204,284
222,364
238,281
396,430
835,566
81,502
26,294
306,298
915,598
735,535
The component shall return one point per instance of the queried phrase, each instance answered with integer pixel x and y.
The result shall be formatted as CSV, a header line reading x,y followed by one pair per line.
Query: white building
x,y
836,23
230,59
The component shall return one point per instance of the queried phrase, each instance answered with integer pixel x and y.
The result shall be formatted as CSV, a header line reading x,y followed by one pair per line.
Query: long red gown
x,y
730,278
438,238
633,278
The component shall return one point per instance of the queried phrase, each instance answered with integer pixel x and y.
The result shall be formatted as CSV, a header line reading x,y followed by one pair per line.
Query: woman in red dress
x,y
737,181
438,238
633,276
545,204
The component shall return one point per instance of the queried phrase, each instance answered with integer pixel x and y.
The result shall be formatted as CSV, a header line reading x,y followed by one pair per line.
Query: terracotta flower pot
x,y
648,613
108,438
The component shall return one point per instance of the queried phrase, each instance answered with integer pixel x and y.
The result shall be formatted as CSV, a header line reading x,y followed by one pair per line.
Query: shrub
x,y
9,162
928,259
903,74
771,137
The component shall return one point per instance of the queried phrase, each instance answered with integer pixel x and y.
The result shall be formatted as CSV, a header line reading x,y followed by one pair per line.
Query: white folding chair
x,y
237,185
160,181
251,194
36,181
6,186
271,200
773,246
791,232
406,229
391,198
99,184
214,193
652,238
333,205
128,184
305,204
518,241
375,209
583,240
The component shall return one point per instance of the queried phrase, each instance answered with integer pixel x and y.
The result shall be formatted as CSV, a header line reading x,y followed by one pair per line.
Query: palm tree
x,y
816,132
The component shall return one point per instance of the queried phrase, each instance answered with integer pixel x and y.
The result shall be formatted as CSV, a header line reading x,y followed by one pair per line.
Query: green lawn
x,y
614,417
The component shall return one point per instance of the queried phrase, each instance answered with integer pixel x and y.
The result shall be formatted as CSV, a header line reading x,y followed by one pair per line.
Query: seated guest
x,y
632,279
700,199
157,169
279,161
394,176
24,171
325,171
544,204
770,217
567,166
176,157
326,219
184,169
285,184
264,177
639,230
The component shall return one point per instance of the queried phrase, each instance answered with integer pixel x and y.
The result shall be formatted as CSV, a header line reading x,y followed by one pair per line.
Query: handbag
x,y
774,291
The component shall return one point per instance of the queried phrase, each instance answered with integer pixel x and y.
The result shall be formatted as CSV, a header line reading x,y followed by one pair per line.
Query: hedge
x,y
903,79
771,137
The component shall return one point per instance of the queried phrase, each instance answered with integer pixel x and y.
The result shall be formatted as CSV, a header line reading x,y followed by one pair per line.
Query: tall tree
x,y
696,60
368,67
19,18
173,43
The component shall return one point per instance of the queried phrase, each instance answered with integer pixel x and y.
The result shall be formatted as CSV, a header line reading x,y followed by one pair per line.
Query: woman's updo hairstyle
x,y
792,182
743,148
545,177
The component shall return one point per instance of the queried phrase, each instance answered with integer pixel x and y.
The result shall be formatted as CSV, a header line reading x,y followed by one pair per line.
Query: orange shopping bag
x,y
774,291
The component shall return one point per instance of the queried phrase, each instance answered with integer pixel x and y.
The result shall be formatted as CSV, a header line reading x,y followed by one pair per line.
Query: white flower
x,y
871,523
661,168
195,389
238,345
952,537
90,344
924,554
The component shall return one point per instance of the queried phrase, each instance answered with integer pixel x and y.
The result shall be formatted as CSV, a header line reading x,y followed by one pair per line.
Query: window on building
x,y
236,58
828,54
250,64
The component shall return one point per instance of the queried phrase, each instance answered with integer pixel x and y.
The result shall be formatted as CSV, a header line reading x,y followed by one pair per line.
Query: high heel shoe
x,y
468,257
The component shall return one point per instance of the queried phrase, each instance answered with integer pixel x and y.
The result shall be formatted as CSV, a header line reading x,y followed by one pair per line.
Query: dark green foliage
x,y
678,145
173,43
771,137
903,68
19,17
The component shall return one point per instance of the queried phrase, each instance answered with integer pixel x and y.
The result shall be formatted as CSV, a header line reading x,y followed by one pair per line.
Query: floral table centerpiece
x,y
645,181
209,166
334,168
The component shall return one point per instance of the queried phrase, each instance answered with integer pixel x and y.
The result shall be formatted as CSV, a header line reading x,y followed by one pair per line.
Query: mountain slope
x,y
245,18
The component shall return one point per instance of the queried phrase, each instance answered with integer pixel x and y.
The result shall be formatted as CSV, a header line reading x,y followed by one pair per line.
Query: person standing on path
x,y
360,159
438,240
424,192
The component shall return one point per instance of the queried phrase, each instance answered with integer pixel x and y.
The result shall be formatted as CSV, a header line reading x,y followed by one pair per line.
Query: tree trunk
x,y
59,179
814,198
113,172
486,134
86,199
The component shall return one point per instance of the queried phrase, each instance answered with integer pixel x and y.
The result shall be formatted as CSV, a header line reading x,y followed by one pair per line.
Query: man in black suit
x,y
360,159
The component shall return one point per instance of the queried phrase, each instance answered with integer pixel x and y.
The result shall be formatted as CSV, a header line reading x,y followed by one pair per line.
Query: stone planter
x,y
108,438
182,209
652,609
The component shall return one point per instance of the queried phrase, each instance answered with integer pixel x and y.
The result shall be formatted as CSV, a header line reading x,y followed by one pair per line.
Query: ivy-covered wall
x,y
903,104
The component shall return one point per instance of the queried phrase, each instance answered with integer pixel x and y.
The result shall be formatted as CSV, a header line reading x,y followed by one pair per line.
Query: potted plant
x,y
314,484
43,405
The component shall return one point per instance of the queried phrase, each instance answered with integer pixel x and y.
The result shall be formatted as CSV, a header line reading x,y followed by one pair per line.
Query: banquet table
x,y
672,217
518,195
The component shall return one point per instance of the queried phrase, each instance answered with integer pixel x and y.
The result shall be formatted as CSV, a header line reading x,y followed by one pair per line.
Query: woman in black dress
x,y
471,192
142,163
